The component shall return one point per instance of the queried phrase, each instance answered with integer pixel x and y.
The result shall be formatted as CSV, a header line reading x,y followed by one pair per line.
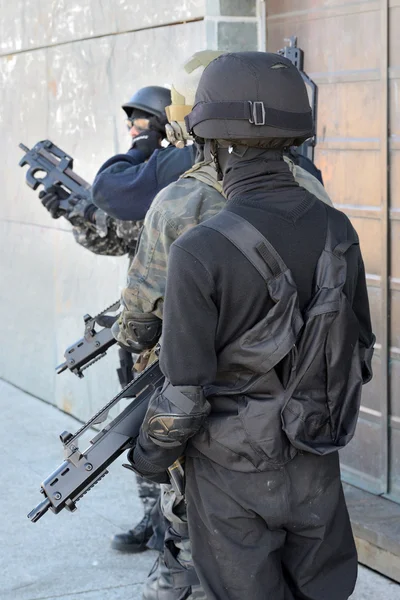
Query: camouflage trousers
x,y
177,550
149,493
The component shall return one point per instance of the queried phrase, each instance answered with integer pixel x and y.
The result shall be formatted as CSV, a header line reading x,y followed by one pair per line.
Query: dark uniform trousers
x,y
274,535
148,491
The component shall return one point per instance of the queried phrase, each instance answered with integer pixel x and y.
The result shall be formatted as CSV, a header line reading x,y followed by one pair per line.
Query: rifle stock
x,y
296,56
52,167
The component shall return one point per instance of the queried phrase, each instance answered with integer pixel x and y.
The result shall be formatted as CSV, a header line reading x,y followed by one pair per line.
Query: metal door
x,y
394,246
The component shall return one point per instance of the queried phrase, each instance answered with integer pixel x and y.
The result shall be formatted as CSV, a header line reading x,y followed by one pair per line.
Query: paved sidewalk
x,y
67,556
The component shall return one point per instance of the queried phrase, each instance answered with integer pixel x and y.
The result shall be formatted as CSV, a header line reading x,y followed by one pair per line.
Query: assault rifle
x,y
296,56
52,167
94,343
80,471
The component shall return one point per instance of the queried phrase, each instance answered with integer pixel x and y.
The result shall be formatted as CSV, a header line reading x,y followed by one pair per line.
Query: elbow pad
x,y
139,332
175,414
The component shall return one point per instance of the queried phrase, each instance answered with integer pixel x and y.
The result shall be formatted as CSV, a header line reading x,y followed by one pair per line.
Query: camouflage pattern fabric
x,y
174,511
148,492
195,197
308,181
177,208
118,237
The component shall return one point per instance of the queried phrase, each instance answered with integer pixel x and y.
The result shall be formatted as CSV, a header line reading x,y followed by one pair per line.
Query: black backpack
x,y
317,351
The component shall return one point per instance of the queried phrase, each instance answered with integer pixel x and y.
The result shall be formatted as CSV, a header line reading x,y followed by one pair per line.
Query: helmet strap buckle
x,y
257,113
239,151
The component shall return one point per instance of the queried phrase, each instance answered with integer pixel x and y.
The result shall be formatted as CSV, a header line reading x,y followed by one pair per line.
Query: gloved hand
x,y
51,200
136,332
147,142
106,320
139,465
89,213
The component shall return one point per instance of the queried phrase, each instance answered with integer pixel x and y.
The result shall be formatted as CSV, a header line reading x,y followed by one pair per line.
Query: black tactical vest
x,y
298,375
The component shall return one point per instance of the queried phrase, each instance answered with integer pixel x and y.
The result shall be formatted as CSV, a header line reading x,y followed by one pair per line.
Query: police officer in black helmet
x,y
266,343
146,119
146,111
126,184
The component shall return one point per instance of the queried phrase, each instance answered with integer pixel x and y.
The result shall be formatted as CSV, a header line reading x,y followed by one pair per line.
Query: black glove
x,y
158,124
141,467
137,332
107,321
89,213
51,200
147,142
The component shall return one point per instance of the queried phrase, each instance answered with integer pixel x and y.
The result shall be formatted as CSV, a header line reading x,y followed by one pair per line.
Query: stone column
x,y
234,25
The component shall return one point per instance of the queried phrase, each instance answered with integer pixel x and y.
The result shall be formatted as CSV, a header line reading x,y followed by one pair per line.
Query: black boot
x,y
134,540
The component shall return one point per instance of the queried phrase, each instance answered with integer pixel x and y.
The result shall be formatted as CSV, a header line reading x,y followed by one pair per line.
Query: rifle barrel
x,y
39,511
61,368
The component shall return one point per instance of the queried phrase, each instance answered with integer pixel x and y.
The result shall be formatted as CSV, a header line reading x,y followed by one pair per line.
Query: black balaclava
x,y
199,146
247,170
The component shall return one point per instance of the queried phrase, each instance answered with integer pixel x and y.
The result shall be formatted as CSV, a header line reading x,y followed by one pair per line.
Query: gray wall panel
x,y
135,15
27,351
70,90
23,117
37,23
71,94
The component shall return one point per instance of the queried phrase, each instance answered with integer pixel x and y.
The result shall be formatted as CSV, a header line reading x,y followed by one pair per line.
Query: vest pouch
x,y
247,436
259,416
306,421
322,402
344,374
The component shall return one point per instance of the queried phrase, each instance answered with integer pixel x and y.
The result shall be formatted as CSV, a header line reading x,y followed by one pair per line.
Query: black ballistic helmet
x,y
251,95
151,99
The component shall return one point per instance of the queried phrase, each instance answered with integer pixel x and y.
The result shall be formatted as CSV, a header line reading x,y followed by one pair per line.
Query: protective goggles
x,y
140,123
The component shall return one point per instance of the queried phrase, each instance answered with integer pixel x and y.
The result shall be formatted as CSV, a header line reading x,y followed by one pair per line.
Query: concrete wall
x,y
65,69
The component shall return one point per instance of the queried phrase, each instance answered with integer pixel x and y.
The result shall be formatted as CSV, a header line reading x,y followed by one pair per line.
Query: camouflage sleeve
x,y
309,182
114,238
147,274
148,271
175,210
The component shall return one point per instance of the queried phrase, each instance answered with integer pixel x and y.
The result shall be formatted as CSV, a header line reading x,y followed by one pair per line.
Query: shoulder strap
x,y
251,243
331,270
338,237
205,172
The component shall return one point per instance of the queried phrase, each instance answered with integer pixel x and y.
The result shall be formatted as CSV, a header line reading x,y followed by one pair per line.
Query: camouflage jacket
x,y
195,197
109,236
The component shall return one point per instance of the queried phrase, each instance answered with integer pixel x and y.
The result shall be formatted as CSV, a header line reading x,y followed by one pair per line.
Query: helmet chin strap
x,y
237,150
219,153
211,152
199,152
